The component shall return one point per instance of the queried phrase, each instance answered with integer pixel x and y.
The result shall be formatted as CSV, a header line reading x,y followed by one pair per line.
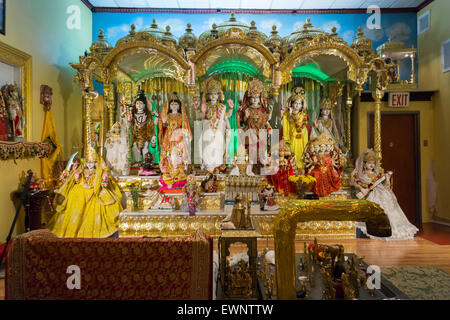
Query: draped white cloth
x,y
214,141
402,229
117,153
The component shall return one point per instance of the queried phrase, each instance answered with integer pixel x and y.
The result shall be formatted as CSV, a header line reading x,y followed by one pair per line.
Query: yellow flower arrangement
x,y
304,179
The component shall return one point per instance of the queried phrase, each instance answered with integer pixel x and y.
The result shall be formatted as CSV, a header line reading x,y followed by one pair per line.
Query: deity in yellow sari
x,y
295,124
88,203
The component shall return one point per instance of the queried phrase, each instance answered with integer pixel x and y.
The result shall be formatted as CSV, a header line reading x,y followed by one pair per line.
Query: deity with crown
x,y
142,127
88,203
326,124
254,112
216,126
116,146
175,137
324,161
296,129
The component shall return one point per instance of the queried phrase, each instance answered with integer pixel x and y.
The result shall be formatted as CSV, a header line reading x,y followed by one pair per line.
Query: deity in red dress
x,y
287,168
325,162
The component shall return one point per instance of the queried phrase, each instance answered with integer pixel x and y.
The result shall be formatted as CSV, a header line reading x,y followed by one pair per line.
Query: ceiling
x,y
256,4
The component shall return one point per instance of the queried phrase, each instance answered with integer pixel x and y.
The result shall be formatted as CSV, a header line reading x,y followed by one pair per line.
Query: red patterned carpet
x,y
437,233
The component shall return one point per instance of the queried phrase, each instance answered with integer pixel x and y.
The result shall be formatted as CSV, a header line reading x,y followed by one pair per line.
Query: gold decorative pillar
x,y
134,89
413,72
124,88
349,120
109,103
377,96
88,100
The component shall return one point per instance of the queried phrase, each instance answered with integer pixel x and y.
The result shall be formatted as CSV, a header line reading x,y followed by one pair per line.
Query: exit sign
x,y
398,99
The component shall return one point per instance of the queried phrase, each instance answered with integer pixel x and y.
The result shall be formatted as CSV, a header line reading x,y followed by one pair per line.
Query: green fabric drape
x,y
156,151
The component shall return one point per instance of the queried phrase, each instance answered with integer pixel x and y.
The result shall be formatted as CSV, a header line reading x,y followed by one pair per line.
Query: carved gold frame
x,y
22,60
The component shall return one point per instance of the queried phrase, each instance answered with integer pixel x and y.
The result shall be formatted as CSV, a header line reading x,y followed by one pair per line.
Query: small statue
x,y
3,119
209,185
116,146
14,104
142,127
148,169
173,172
239,218
287,168
191,194
46,97
325,162
267,198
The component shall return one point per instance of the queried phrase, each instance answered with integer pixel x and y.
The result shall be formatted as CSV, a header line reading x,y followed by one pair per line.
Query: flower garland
x,y
22,150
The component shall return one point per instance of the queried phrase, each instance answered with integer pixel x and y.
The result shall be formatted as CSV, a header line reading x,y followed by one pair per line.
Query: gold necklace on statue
x,y
214,115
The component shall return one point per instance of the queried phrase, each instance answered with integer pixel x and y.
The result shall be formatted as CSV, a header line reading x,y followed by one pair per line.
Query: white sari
x,y
401,228
213,141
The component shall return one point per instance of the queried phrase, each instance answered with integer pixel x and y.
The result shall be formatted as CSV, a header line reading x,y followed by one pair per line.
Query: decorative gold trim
x,y
235,41
22,60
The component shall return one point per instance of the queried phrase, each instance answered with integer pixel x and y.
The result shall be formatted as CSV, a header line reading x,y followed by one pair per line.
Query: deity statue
x,y
267,198
191,195
14,104
325,162
175,137
209,185
287,167
88,203
3,119
116,146
142,127
173,169
295,124
254,112
215,126
326,124
369,179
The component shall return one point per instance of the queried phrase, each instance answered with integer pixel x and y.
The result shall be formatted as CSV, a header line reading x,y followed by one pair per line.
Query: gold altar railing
x,y
293,212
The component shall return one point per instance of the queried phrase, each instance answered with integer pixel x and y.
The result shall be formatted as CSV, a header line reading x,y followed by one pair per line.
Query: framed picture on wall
x,y
2,16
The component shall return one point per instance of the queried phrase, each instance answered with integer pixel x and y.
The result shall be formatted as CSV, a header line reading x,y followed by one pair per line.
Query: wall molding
x,y
249,11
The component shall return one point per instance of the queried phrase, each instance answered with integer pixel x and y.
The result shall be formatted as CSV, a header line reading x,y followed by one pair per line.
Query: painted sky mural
x,y
400,27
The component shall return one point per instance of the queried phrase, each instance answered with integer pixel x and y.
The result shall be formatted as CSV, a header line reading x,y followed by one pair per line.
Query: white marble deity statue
x,y
326,124
216,126
371,184
117,148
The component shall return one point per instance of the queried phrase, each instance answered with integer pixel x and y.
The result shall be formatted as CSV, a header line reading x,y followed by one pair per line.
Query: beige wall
x,y
38,27
426,133
431,77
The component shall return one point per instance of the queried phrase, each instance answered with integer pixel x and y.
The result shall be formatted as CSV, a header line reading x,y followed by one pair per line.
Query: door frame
x,y
417,160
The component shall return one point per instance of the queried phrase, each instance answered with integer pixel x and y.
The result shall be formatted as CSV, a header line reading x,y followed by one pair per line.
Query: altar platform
x,y
164,223
153,219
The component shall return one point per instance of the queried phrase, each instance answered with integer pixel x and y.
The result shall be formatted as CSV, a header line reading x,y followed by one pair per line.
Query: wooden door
x,y
400,150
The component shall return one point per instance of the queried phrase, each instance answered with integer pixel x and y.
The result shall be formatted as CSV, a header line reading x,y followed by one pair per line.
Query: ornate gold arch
x,y
114,57
316,48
